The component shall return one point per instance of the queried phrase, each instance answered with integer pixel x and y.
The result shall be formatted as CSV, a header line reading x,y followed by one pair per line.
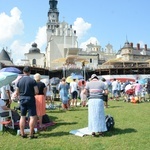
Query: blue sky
x,y
22,22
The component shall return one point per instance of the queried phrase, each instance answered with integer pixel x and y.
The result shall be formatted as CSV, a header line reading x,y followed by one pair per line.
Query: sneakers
x,y
30,137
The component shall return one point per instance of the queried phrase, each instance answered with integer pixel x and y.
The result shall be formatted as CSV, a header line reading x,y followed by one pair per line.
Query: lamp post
x,y
64,71
84,73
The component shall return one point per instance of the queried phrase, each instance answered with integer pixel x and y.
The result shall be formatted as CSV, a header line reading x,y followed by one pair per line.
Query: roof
x,y
5,58
72,51
4,55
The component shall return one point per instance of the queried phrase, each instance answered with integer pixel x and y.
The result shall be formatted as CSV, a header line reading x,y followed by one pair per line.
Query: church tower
x,y
61,38
53,18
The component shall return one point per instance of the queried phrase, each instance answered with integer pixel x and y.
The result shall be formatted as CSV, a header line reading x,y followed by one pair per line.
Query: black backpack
x,y
15,116
45,119
109,122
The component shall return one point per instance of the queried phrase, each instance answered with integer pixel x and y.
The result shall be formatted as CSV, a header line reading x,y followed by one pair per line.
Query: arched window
x,y
34,62
90,60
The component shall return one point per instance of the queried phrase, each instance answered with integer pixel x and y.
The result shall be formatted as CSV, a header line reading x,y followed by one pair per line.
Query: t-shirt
x,y
41,87
73,86
115,85
2,103
95,88
138,87
26,86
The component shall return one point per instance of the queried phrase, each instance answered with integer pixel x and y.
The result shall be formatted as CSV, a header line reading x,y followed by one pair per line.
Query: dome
x,y
34,49
127,44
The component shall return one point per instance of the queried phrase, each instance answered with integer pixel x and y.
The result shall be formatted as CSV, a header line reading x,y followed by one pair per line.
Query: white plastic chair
x,y
6,120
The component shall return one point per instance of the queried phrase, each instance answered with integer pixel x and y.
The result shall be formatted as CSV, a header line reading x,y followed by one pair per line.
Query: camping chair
x,y
6,120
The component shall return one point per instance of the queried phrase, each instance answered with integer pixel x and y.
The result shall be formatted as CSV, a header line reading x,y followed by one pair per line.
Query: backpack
x,y
45,119
109,122
15,116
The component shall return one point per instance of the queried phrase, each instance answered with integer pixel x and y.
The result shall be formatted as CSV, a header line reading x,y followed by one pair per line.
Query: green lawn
x,y
131,132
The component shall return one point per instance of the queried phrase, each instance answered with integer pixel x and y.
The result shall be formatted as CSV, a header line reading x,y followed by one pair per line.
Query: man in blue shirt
x,y
27,89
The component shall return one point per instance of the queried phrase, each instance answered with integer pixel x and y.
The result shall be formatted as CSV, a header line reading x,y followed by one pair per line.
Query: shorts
x,y
115,93
27,104
74,95
105,98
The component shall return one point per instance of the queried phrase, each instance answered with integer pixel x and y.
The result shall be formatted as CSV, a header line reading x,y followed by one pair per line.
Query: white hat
x,y
94,76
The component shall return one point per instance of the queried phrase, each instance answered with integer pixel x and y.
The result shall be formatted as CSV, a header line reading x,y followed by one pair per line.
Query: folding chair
x,y
6,120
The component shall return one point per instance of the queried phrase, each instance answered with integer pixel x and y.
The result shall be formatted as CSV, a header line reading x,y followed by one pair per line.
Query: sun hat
x,y
94,76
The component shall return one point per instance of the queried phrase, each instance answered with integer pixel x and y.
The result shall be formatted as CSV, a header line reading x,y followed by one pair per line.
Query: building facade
x,y
61,38
129,52
62,49
34,57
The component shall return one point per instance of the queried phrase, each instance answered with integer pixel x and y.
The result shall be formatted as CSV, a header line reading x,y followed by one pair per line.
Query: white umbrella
x,y
7,78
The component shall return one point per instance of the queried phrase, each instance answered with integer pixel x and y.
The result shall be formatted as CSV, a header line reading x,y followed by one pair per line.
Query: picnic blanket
x,y
81,132
45,124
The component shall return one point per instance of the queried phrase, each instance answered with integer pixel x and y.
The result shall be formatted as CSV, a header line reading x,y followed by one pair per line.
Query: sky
x,y
23,22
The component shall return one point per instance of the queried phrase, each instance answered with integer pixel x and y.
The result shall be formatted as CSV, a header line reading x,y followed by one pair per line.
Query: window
x,y
90,60
34,62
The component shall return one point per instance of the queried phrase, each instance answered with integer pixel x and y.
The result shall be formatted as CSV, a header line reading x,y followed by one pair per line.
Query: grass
x,y
131,132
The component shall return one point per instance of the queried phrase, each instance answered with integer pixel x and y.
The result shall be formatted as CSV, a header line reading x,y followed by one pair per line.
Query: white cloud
x,y
18,46
18,49
13,25
10,25
41,37
92,40
81,27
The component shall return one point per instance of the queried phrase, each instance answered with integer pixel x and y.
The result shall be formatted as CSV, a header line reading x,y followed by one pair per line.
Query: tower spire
x,y
53,18
53,4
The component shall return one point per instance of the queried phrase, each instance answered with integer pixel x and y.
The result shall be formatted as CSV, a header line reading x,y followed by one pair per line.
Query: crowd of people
x,y
32,94
128,90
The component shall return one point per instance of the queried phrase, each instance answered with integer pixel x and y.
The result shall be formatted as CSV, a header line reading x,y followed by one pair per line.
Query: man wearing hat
x,y
96,116
27,89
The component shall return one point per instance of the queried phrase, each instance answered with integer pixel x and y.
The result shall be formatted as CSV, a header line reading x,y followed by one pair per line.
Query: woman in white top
x,y
74,92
